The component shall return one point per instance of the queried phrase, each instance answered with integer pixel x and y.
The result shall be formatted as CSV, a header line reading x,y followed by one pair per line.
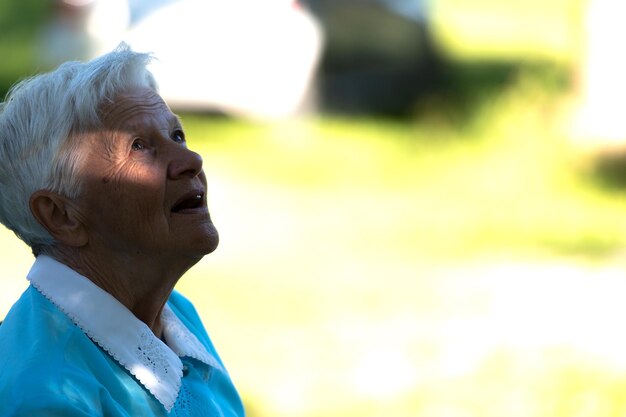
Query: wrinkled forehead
x,y
134,107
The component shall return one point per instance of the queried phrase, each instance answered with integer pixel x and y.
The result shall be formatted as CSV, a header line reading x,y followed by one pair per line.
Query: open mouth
x,y
190,202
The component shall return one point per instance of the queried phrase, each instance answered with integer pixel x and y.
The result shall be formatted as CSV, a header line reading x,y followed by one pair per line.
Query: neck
x,y
141,285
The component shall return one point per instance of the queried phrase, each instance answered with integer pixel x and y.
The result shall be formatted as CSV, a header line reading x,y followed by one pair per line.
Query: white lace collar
x,y
116,330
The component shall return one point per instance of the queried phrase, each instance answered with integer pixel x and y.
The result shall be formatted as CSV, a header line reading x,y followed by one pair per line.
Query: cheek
x,y
141,203
135,213
132,192
133,197
134,182
133,174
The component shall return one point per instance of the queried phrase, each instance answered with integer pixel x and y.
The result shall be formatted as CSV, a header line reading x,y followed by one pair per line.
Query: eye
x,y
138,145
178,136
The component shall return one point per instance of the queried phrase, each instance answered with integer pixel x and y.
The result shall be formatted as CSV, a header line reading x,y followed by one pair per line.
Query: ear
x,y
58,216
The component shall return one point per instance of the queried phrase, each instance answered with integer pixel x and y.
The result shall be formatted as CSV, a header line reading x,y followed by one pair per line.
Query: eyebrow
x,y
175,121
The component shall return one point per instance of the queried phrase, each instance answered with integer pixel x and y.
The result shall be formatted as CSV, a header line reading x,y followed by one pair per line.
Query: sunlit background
x,y
421,203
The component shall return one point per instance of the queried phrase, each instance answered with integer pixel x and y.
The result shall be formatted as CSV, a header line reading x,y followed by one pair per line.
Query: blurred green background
x,y
461,257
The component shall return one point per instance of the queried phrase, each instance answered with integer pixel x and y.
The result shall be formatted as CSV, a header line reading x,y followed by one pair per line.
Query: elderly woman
x,y
96,177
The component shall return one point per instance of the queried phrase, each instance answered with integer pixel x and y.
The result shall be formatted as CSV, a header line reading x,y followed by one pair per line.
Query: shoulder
x,y
29,327
41,357
31,323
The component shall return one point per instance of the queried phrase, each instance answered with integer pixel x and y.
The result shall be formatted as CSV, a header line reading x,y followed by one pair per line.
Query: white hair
x,y
41,123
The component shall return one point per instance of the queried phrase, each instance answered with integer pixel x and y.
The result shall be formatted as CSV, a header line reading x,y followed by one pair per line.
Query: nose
x,y
184,163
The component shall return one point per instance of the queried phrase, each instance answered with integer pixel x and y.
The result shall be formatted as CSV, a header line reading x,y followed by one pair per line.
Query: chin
x,y
199,242
211,240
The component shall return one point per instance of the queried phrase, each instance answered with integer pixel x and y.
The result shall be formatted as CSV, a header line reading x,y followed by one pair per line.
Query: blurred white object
x,y
244,57
600,116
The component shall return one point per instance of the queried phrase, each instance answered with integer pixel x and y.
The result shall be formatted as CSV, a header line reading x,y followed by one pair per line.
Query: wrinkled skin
x,y
133,176
142,215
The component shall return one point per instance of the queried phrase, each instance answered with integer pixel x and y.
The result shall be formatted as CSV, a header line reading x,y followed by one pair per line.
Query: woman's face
x,y
144,192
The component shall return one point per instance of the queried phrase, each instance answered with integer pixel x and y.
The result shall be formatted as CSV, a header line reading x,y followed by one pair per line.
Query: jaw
x,y
193,234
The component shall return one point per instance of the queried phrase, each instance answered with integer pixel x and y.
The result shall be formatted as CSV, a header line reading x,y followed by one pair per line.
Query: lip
x,y
202,208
